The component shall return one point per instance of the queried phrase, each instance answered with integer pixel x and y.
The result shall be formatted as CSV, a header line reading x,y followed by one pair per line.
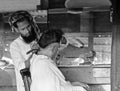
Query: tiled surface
x,y
7,80
7,77
8,89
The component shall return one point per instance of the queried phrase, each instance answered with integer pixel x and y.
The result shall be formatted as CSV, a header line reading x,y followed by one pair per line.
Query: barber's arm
x,y
27,62
17,58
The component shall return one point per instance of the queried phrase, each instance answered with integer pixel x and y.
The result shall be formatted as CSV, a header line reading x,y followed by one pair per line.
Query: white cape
x,y
47,77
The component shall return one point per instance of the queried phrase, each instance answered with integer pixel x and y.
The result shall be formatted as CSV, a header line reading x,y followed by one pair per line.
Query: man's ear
x,y
54,48
63,40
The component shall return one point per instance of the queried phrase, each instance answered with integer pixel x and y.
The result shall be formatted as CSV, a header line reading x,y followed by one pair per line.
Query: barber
x,y
22,22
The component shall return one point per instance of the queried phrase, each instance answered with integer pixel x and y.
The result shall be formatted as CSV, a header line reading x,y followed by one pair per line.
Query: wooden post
x,y
44,5
86,25
115,56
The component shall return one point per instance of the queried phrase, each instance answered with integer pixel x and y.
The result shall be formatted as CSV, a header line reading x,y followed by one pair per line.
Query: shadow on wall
x,y
7,80
100,87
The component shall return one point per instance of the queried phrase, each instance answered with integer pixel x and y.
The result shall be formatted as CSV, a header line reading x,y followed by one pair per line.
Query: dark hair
x,y
21,20
50,36
19,16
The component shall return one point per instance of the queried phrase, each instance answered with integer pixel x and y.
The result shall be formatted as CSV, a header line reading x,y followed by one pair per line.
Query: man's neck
x,y
46,53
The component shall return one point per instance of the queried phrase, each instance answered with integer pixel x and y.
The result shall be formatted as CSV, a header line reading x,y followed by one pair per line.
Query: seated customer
x,y
45,74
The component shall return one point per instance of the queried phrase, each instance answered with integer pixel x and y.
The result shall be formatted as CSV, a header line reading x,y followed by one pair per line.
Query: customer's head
x,y
22,21
50,41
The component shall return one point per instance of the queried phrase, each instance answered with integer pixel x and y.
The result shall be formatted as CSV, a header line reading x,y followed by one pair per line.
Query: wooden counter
x,y
96,76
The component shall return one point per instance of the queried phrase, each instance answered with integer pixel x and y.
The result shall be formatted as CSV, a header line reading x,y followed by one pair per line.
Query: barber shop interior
x,y
60,45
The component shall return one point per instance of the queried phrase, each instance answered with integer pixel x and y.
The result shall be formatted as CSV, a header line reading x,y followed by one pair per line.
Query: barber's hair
x,y
20,16
21,20
50,36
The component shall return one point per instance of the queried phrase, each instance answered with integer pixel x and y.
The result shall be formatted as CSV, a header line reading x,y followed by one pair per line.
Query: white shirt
x,y
18,50
46,76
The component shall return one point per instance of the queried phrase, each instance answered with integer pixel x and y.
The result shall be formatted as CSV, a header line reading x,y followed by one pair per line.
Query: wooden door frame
x,y
115,49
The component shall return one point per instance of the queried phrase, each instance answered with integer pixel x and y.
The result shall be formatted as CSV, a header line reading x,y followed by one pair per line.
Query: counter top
x,y
75,66
91,66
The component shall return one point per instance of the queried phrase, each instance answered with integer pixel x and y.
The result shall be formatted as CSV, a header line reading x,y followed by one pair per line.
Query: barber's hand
x,y
81,84
34,48
34,45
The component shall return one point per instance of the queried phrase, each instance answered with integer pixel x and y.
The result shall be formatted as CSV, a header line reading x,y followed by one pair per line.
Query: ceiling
x,y
87,3
14,5
81,4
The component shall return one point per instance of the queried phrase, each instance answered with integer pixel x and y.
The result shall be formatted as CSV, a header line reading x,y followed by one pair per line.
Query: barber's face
x,y
27,31
24,28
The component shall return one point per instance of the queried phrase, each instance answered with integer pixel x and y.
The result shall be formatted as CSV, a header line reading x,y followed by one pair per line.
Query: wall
x,y
102,22
13,5
65,21
98,22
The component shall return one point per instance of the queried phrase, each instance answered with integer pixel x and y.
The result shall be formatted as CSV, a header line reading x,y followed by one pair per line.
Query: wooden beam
x,y
115,56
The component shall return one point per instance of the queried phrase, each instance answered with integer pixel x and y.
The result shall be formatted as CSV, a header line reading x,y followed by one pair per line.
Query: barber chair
x,y
26,76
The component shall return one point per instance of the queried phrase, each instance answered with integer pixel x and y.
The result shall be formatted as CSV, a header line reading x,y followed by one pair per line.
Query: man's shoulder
x,y
41,58
16,41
